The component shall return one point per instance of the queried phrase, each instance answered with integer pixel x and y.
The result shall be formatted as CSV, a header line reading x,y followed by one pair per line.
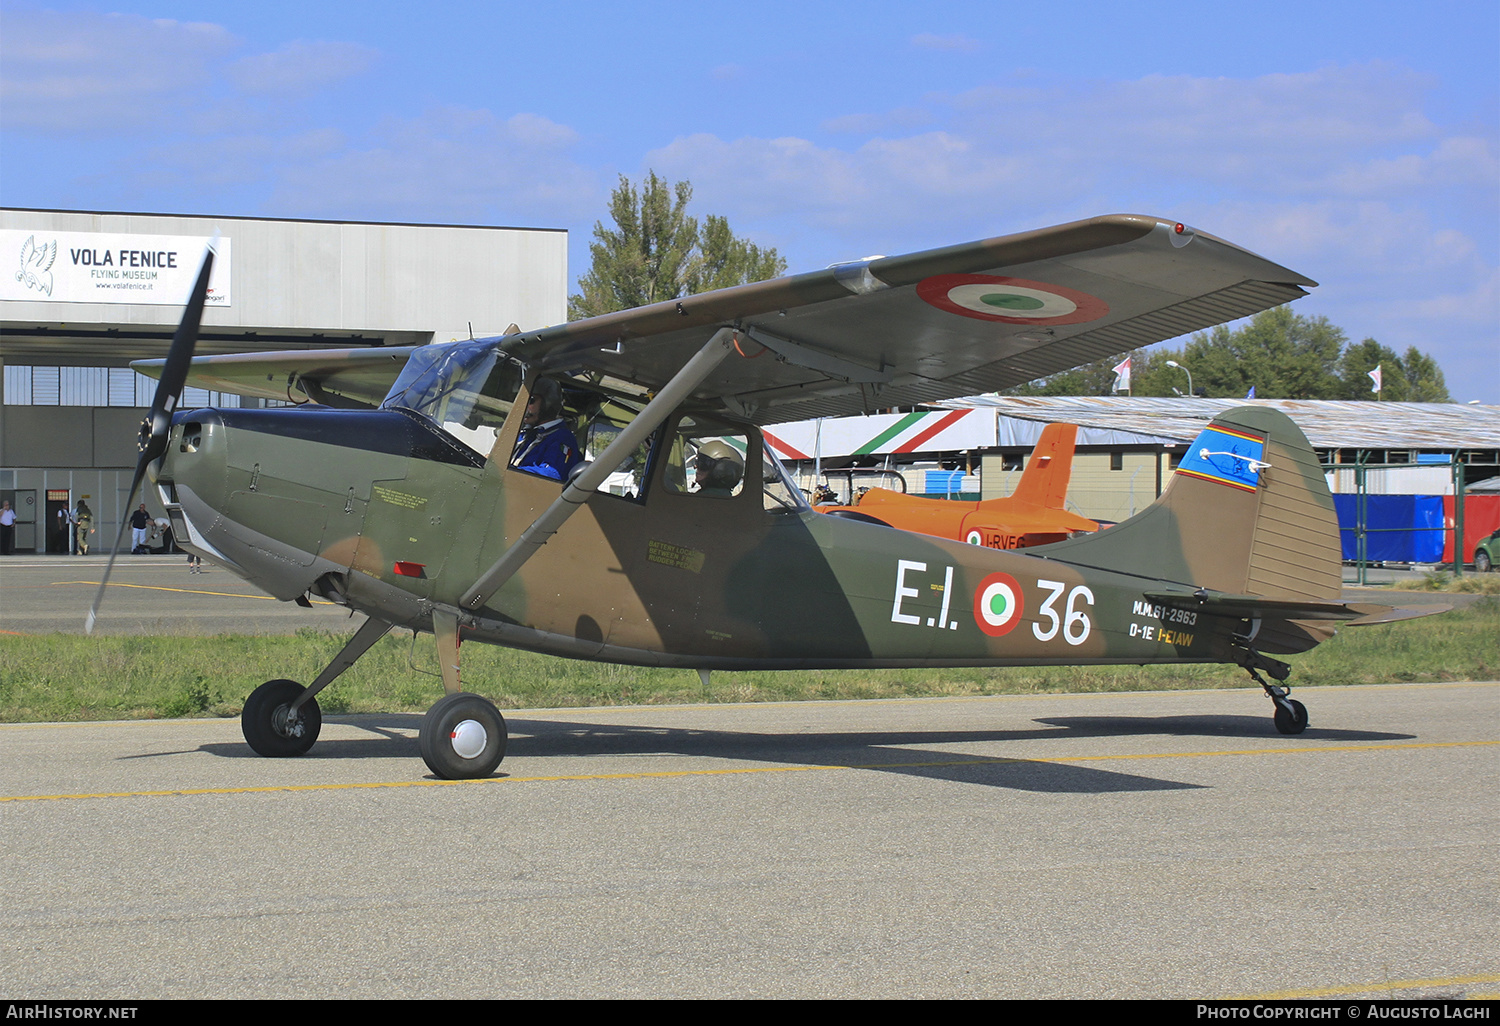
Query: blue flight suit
x,y
549,450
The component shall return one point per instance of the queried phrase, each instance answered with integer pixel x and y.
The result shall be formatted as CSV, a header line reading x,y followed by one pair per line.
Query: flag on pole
x,y
1250,394
1122,376
1375,377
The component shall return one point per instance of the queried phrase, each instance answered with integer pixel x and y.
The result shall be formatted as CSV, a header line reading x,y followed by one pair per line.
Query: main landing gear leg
x,y
463,736
282,718
1291,715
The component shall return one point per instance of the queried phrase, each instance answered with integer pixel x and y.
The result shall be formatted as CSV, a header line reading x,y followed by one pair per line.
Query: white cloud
x,y
114,73
1336,133
1455,161
902,118
1280,131
186,168
300,66
1338,173
1479,305
450,164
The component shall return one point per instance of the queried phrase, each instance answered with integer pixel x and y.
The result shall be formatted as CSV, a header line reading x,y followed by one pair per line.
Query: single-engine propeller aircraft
x,y
1031,515
661,548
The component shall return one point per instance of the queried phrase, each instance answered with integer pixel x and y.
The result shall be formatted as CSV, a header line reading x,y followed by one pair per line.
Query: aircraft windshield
x,y
466,388
781,493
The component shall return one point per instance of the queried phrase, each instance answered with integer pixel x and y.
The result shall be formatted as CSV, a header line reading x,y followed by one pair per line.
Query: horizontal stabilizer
x,y
1259,607
1375,613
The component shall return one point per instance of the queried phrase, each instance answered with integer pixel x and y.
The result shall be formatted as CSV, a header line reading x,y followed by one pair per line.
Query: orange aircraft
x,y
1033,515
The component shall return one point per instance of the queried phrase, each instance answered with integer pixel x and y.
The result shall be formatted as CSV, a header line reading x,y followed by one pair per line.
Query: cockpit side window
x,y
545,443
568,422
629,479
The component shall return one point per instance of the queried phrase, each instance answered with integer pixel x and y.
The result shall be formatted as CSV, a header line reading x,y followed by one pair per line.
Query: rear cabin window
x,y
706,458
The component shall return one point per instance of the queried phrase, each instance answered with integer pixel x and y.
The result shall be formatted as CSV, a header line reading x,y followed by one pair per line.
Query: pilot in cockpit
x,y
717,469
546,446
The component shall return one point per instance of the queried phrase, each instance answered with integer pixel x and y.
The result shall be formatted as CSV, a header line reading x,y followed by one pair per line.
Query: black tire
x,y
1482,562
263,720
1293,722
463,737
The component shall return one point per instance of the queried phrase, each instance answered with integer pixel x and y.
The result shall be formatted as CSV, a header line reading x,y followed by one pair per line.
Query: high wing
x,y
903,330
333,377
887,331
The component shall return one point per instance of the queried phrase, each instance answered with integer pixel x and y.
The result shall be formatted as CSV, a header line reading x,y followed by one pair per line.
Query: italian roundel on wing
x,y
998,604
989,297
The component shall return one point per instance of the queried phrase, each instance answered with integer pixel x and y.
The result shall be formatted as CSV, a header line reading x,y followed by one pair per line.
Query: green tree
x,y
1282,354
724,260
1413,377
1090,379
641,259
656,252
1423,378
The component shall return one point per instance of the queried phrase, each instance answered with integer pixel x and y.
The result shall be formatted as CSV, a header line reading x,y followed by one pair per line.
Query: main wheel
x,y
1482,562
1293,722
463,736
265,720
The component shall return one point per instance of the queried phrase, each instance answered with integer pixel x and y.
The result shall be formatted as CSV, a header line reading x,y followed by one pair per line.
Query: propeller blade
x,y
158,423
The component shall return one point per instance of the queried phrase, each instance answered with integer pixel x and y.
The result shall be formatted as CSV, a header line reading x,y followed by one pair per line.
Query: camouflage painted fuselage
x,y
385,512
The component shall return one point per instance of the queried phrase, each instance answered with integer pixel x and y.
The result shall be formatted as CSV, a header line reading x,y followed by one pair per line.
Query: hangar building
x,y
1128,447
84,293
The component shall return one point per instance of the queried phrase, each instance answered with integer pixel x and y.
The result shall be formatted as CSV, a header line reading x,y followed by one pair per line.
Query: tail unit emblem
x,y
1226,456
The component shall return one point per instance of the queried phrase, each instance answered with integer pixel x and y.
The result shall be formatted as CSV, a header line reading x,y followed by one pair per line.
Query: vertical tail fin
x,y
1044,482
1246,512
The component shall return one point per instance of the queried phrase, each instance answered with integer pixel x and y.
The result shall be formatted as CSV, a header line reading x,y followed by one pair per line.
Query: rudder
x,y
1044,482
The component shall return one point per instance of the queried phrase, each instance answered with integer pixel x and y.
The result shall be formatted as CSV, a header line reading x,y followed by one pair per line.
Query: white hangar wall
x,y
418,282
70,411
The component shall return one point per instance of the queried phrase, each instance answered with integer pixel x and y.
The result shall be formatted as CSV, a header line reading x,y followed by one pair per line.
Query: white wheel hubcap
x,y
469,739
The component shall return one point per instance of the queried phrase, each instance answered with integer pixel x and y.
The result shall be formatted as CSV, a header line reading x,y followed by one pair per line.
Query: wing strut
x,y
586,483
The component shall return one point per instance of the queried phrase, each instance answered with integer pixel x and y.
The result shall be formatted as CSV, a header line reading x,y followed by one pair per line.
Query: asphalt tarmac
x,y
147,595
1129,845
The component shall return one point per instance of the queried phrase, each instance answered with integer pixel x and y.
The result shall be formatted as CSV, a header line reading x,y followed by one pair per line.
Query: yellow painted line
x,y
737,771
1373,988
186,591
153,587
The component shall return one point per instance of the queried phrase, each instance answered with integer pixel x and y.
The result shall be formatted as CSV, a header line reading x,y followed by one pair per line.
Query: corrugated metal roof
x,y
1328,424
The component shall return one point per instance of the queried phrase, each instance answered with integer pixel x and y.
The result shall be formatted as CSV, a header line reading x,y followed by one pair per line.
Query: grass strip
x,y
62,677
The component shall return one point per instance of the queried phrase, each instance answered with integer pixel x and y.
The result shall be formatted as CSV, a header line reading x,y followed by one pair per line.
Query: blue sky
x,y
1357,143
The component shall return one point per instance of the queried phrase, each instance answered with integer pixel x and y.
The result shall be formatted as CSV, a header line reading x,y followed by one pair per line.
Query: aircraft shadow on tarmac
x,y
875,750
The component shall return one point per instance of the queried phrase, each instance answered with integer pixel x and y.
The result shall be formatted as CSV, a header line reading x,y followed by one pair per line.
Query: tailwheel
x,y
463,737
270,726
1291,715
1291,718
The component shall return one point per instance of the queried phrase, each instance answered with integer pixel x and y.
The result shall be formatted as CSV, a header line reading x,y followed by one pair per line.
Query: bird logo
x,y
36,265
